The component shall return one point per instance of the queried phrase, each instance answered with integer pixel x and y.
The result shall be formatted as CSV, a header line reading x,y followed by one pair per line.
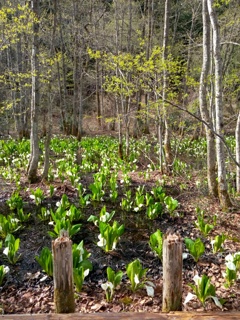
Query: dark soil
x,y
28,290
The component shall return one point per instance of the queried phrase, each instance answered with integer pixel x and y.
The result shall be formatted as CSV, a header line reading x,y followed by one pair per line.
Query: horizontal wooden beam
x,y
127,315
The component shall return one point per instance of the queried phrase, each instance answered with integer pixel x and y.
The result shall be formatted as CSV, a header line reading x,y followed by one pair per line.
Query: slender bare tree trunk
x,y
35,102
237,136
167,142
149,6
62,81
50,102
80,106
98,101
20,109
159,136
195,11
205,114
119,113
222,184
76,74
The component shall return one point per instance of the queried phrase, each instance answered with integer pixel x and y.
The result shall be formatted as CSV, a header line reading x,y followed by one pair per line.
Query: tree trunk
x,y
222,184
120,135
62,81
167,142
98,102
237,137
20,109
80,107
35,102
205,114
50,103
76,76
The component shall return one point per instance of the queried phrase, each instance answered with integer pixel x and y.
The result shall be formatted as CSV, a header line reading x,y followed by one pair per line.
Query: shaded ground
x,y
28,290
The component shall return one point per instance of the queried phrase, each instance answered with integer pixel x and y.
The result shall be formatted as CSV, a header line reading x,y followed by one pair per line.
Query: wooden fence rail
x,y
128,315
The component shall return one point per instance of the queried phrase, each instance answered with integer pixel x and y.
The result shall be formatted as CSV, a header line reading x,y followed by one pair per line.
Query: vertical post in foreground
x,y
63,274
172,273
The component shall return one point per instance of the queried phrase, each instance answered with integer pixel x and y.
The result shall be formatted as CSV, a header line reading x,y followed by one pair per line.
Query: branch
x,y
207,125
231,42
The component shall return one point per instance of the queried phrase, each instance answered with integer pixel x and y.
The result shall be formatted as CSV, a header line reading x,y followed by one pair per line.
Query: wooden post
x,y
63,274
172,273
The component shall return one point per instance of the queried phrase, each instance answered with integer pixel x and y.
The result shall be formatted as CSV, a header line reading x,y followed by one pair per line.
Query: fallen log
x,y
178,315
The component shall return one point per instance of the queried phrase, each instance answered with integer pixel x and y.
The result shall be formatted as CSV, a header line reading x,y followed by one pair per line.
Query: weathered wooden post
x,y
172,273
63,274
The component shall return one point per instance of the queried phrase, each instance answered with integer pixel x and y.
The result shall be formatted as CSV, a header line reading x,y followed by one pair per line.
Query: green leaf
x,y
196,248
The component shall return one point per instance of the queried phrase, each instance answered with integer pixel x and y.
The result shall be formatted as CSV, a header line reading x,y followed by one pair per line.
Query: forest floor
x,y
28,290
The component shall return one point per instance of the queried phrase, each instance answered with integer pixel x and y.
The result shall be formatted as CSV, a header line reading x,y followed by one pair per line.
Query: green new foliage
x,y
149,199
156,243
203,226
79,274
104,216
171,204
37,195
232,262
8,224
45,260
113,187
97,191
136,274
80,256
114,279
139,199
203,290
23,217
180,167
217,243
84,199
109,235
73,213
63,218
64,224
127,203
158,193
63,204
3,271
51,190
154,210
73,174
15,201
81,264
196,248
11,248
13,22
45,214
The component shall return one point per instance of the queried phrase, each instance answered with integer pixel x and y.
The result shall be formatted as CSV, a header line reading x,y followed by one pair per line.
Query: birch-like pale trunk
x,y
237,136
205,114
222,184
35,101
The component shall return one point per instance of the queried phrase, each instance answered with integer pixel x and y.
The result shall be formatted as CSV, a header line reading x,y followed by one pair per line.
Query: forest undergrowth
x,y
116,212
